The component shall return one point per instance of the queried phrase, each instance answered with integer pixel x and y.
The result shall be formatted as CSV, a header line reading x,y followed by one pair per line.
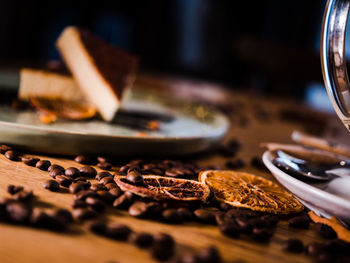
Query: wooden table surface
x,y
24,244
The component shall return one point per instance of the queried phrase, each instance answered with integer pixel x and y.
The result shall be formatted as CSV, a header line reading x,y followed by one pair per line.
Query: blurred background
x,y
268,46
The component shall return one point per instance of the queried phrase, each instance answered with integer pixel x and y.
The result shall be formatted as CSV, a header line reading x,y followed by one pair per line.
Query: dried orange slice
x,y
166,188
246,190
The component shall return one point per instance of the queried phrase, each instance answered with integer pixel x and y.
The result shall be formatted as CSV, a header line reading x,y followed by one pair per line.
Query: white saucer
x,y
325,199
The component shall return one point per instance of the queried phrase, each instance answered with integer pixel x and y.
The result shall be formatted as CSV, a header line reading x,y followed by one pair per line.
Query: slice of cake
x,y
102,71
47,84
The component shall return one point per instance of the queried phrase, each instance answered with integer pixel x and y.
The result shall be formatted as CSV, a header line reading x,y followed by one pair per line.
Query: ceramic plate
x,y
325,199
185,128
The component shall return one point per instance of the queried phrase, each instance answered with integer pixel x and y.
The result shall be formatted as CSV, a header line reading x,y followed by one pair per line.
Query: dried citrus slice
x,y
166,188
246,190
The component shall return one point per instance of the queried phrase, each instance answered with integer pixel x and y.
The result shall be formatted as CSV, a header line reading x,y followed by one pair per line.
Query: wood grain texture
x,y
24,244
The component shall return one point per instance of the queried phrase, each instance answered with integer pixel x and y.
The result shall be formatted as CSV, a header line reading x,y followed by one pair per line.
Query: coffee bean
x,y
209,255
95,204
110,186
4,148
293,245
12,155
225,207
55,171
270,220
81,179
83,159
78,204
190,258
43,165
24,196
63,215
325,231
123,169
161,253
230,229
18,212
245,225
122,202
142,240
72,172
171,216
64,180
235,164
262,234
51,185
41,219
336,247
324,257
205,216
13,189
30,161
97,187
88,171
118,231
105,166
55,166
84,214
101,175
138,209
102,159
107,180
135,177
133,168
258,223
97,226
299,222
105,196
314,248
164,240
77,187
231,148
185,213
82,195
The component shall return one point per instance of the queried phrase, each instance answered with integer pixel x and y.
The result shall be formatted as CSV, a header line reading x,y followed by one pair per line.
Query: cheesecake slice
x,y
35,83
102,71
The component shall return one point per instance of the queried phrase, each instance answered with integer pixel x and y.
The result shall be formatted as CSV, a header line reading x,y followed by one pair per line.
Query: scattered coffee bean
x,y
30,161
190,258
12,155
107,180
135,177
102,159
63,215
205,216
97,187
18,212
55,166
122,202
55,171
110,186
231,148
24,196
72,172
293,245
95,204
105,166
142,240
43,165
13,189
101,175
299,222
83,159
270,220
325,231
79,204
225,207
164,240
118,231
324,257
209,255
171,216
262,234
123,169
314,248
63,180
84,214
235,164
4,148
77,187
88,171
97,226
51,185
106,196
41,219
81,179
82,195
230,229
185,213
245,225
336,247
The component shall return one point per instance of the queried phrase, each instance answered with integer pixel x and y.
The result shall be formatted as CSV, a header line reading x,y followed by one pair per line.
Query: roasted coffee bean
x,y
230,229
164,240
299,222
156,171
154,209
14,189
12,155
43,165
142,240
4,148
41,219
190,258
336,247
83,159
55,166
102,159
235,164
64,215
325,231
225,207
56,171
258,223
244,224
233,213
118,231
148,166
185,213
105,196
138,209
18,212
174,172
101,175
72,172
78,204
271,220
123,169
51,185
293,245
205,216
171,216
95,204
324,257
105,166
30,161
133,168
122,202
64,180
97,226
135,177
221,218
262,234
161,253
209,255
81,179
110,186
77,187
107,180
84,214
88,171
231,148
313,248
97,187
23,196
82,195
